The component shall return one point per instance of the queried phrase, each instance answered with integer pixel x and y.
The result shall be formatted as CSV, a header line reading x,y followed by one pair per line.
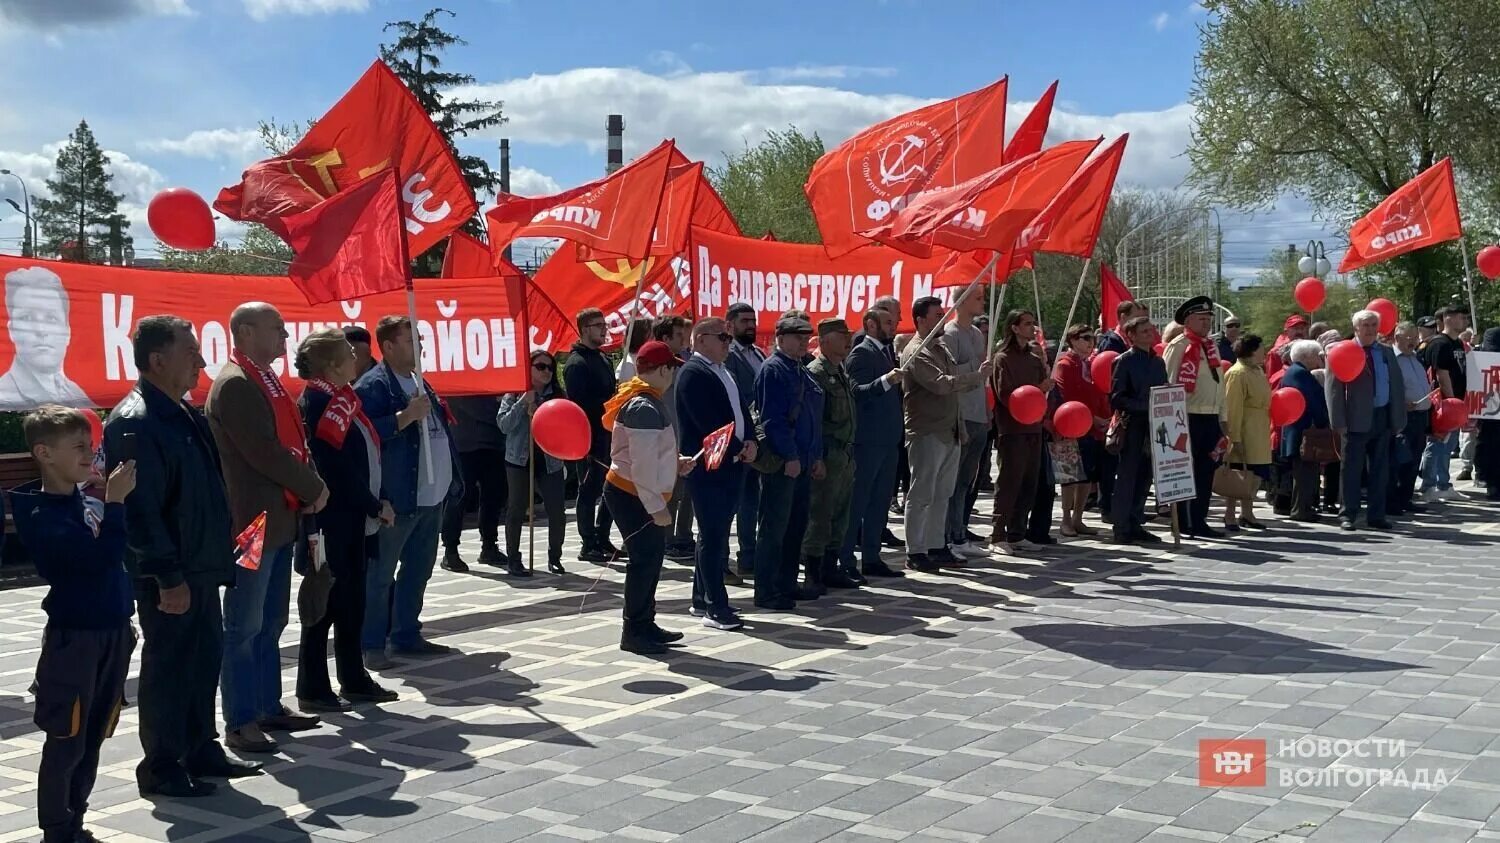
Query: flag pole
x,y
996,297
640,283
531,503
1078,293
938,329
1463,247
425,445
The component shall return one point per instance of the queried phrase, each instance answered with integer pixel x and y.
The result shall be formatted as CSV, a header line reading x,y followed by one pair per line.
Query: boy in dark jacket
x,y
78,545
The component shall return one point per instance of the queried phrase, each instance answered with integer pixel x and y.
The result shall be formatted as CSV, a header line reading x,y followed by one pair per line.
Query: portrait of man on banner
x,y
36,308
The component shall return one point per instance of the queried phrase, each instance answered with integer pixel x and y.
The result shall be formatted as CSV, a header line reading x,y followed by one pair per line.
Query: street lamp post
x,y
28,237
1314,260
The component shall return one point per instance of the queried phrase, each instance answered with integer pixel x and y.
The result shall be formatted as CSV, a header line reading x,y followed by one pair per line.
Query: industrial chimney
x,y
505,177
615,146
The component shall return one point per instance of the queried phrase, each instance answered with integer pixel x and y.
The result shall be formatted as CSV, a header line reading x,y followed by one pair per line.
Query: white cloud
x,y
810,72
236,146
57,14
525,181
263,9
1161,20
138,182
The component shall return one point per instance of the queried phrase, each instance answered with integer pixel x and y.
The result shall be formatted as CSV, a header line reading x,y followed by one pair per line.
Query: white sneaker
x,y
1002,548
967,551
1449,494
1430,494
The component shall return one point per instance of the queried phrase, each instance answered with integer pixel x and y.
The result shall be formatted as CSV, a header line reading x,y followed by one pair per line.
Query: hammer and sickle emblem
x,y
624,274
893,171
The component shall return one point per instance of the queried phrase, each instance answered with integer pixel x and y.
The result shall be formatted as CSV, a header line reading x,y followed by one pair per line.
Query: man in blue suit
x,y
744,362
877,443
1367,412
708,399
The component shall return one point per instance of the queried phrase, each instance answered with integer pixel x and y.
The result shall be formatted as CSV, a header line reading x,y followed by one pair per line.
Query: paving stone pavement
x,y
1059,696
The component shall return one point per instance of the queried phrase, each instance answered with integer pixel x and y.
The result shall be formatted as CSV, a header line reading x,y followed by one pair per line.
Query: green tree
x,y
1264,304
76,219
416,57
260,252
1342,102
762,185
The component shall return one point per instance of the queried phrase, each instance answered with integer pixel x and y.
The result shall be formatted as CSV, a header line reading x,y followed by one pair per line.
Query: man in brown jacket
x,y
934,434
263,447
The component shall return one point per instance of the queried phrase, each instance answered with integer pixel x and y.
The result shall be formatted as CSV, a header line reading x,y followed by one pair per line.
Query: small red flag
x,y
716,444
1070,223
469,257
1423,212
1033,130
1112,292
876,173
352,245
251,543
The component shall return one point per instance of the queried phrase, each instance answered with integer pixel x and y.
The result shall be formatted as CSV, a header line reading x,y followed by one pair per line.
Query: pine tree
x,y
416,58
76,219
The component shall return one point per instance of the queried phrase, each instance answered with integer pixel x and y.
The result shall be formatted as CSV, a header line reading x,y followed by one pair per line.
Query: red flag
x,y
678,200
715,445
1112,292
614,216
469,257
961,268
1070,224
880,170
350,246
377,124
988,212
250,544
1033,130
1423,212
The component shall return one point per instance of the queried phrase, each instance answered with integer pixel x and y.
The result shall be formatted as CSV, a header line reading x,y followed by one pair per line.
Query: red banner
x,y
66,336
1421,213
774,277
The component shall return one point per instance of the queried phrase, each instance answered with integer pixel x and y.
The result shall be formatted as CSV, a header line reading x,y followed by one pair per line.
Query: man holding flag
x,y
707,401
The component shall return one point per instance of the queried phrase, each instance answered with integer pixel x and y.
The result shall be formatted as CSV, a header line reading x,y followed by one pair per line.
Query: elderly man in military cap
x,y
829,519
789,417
1192,360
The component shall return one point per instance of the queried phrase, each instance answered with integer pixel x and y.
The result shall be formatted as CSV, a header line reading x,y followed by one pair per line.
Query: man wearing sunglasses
x,y
589,380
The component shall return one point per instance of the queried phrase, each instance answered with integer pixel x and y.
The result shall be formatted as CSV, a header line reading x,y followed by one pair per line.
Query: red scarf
x,y
1198,350
289,430
344,408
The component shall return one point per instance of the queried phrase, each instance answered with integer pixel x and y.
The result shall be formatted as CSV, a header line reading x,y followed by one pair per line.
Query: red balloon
x,y
561,429
1310,293
1072,420
181,219
1287,406
1452,414
1387,310
1102,367
1346,360
96,428
1027,404
1488,261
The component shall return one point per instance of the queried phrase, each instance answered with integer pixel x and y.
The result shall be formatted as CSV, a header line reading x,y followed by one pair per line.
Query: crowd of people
x,y
362,477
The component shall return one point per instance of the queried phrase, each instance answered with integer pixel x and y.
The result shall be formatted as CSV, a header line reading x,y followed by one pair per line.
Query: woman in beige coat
x,y
1247,414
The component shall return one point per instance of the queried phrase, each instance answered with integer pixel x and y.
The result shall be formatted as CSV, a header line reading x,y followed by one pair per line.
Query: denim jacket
x,y
515,423
401,450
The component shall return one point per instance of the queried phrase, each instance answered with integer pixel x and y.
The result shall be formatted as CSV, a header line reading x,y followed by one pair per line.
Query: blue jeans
x,y
393,599
1435,459
255,614
870,502
747,520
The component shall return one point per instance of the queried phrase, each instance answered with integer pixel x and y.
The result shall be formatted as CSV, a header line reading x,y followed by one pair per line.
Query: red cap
x,y
654,355
1293,320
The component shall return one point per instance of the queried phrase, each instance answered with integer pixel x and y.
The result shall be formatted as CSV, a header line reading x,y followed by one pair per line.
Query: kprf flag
x,y
377,125
1070,223
1423,212
858,185
350,246
251,543
614,216
1033,130
715,445
687,200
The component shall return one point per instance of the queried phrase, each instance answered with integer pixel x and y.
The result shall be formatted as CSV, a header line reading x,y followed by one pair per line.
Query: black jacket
x,y
178,516
703,407
1136,372
78,546
590,381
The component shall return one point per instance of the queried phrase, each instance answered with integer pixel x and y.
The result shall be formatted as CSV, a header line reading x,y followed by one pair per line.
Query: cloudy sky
x,y
173,88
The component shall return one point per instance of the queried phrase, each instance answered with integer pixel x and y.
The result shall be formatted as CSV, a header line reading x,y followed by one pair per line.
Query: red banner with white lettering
x,y
774,277
66,334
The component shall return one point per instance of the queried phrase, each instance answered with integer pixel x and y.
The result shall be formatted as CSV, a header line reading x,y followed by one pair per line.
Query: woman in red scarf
x,y
1074,378
346,451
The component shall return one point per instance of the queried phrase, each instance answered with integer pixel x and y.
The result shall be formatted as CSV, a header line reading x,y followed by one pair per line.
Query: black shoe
x,y
555,566
880,569
684,552
839,579
612,552
731,578
516,568
1206,533
592,554
852,573
809,591
224,767
1308,518
641,645
180,787
664,636
888,539
490,555
423,647
453,562
944,558
1116,538
1380,524
322,705
921,562
776,605
1346,526
1145,537
373,694
286,721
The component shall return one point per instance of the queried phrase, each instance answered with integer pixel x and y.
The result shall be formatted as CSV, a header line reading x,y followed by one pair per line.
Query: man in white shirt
x,y
743,362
